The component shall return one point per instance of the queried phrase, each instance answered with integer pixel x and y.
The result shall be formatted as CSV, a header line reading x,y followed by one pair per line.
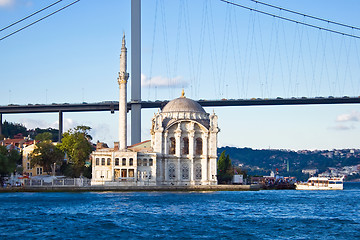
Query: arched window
x,y
139,162
185,149
103,161
123,162
199,146
172,146
97,162
150,162
117,163
131,162
108,161
145,162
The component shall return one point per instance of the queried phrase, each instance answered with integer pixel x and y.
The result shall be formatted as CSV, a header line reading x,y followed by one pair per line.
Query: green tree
x,y
46,154
8,161
76,144
225,170
10,129
45,136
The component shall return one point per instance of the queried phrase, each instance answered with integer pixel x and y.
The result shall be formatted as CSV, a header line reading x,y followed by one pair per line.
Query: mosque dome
x,y
183,104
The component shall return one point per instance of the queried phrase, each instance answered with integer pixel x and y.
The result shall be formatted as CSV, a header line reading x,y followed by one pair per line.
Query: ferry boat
x,y
321,183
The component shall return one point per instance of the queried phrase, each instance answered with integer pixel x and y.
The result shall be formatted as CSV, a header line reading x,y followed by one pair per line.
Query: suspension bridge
x,y
249,64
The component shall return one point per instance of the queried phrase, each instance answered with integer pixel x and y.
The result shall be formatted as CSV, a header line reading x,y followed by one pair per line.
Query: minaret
x,y
122,80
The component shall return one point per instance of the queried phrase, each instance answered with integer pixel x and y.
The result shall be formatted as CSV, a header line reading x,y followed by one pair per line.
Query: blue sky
x,y
211,49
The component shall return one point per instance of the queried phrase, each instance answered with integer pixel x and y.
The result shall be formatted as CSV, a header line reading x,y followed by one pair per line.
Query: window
x,y
145,162
108,161
139,162
198,171
103,161
131,162
185,171
131,172
117,162
123,162
172,145
123,173
150,162
186,146
116,173
97,162
39,171
199,146
171,171
28,166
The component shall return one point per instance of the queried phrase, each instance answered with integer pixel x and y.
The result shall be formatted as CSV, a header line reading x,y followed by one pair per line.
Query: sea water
x,y
271,214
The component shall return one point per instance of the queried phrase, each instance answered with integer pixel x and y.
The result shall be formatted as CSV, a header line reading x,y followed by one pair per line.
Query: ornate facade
x,y
182,149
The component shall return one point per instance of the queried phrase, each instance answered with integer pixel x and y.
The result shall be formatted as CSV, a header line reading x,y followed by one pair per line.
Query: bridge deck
x,y
113,105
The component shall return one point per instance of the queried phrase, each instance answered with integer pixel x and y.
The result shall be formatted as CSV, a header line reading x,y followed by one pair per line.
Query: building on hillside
x,y
18,141
182,149
26,161
27,169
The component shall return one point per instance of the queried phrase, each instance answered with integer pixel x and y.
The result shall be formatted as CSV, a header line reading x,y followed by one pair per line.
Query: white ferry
x,y
321,183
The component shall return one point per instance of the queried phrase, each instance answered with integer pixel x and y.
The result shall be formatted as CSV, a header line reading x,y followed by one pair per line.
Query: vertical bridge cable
x,y
152,52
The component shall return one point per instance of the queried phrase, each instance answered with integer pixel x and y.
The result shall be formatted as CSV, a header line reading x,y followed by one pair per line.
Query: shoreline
x,y
197,188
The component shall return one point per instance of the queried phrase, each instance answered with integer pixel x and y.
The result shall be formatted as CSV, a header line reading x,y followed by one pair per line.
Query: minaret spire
x,y
122,81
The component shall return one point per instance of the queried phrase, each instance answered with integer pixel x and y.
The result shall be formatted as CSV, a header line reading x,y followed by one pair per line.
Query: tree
x,y
76,144
46,154
10,129
8,161
225,171
45,136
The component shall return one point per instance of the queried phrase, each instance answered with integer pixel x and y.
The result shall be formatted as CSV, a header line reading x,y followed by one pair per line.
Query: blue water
x,y
281,214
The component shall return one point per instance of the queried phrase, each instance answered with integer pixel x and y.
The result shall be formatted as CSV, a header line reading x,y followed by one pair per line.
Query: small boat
x,y
321,183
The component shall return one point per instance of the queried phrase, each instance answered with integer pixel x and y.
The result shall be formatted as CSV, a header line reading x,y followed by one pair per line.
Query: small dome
x,y
183,104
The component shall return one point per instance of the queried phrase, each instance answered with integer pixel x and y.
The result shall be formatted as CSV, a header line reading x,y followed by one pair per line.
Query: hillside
x,y
290,163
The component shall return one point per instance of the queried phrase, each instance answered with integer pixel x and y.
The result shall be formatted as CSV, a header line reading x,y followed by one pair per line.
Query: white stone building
x,y
182,149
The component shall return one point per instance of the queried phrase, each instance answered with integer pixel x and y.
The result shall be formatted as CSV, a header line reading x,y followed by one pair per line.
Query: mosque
x,y
182,150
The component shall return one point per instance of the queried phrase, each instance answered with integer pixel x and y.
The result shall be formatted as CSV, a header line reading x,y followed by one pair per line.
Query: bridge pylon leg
x,y
60,125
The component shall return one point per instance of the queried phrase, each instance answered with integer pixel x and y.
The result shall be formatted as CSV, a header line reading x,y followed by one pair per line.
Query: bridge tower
x,y
135,71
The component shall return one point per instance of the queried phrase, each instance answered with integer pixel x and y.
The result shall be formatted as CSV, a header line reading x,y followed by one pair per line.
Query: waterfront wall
x,y
70,188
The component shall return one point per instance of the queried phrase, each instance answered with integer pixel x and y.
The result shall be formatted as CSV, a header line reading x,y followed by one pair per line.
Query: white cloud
x,y
163,82
341,127
103,133
354,116
7,3
30,123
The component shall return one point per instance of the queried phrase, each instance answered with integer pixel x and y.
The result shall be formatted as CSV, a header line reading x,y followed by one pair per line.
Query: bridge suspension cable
x,y
19,21
306,15
291,20
38,20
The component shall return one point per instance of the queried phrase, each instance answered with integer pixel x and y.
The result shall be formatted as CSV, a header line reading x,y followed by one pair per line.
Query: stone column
x,y
165,141
191,169
178,141
191,143
204,159
166,168
179,170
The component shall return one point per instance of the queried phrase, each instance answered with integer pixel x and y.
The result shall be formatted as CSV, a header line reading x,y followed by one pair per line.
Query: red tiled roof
x,y
136,144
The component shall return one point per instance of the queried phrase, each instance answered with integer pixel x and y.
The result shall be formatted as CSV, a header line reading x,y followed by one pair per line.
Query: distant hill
x,y
289,163
9,130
